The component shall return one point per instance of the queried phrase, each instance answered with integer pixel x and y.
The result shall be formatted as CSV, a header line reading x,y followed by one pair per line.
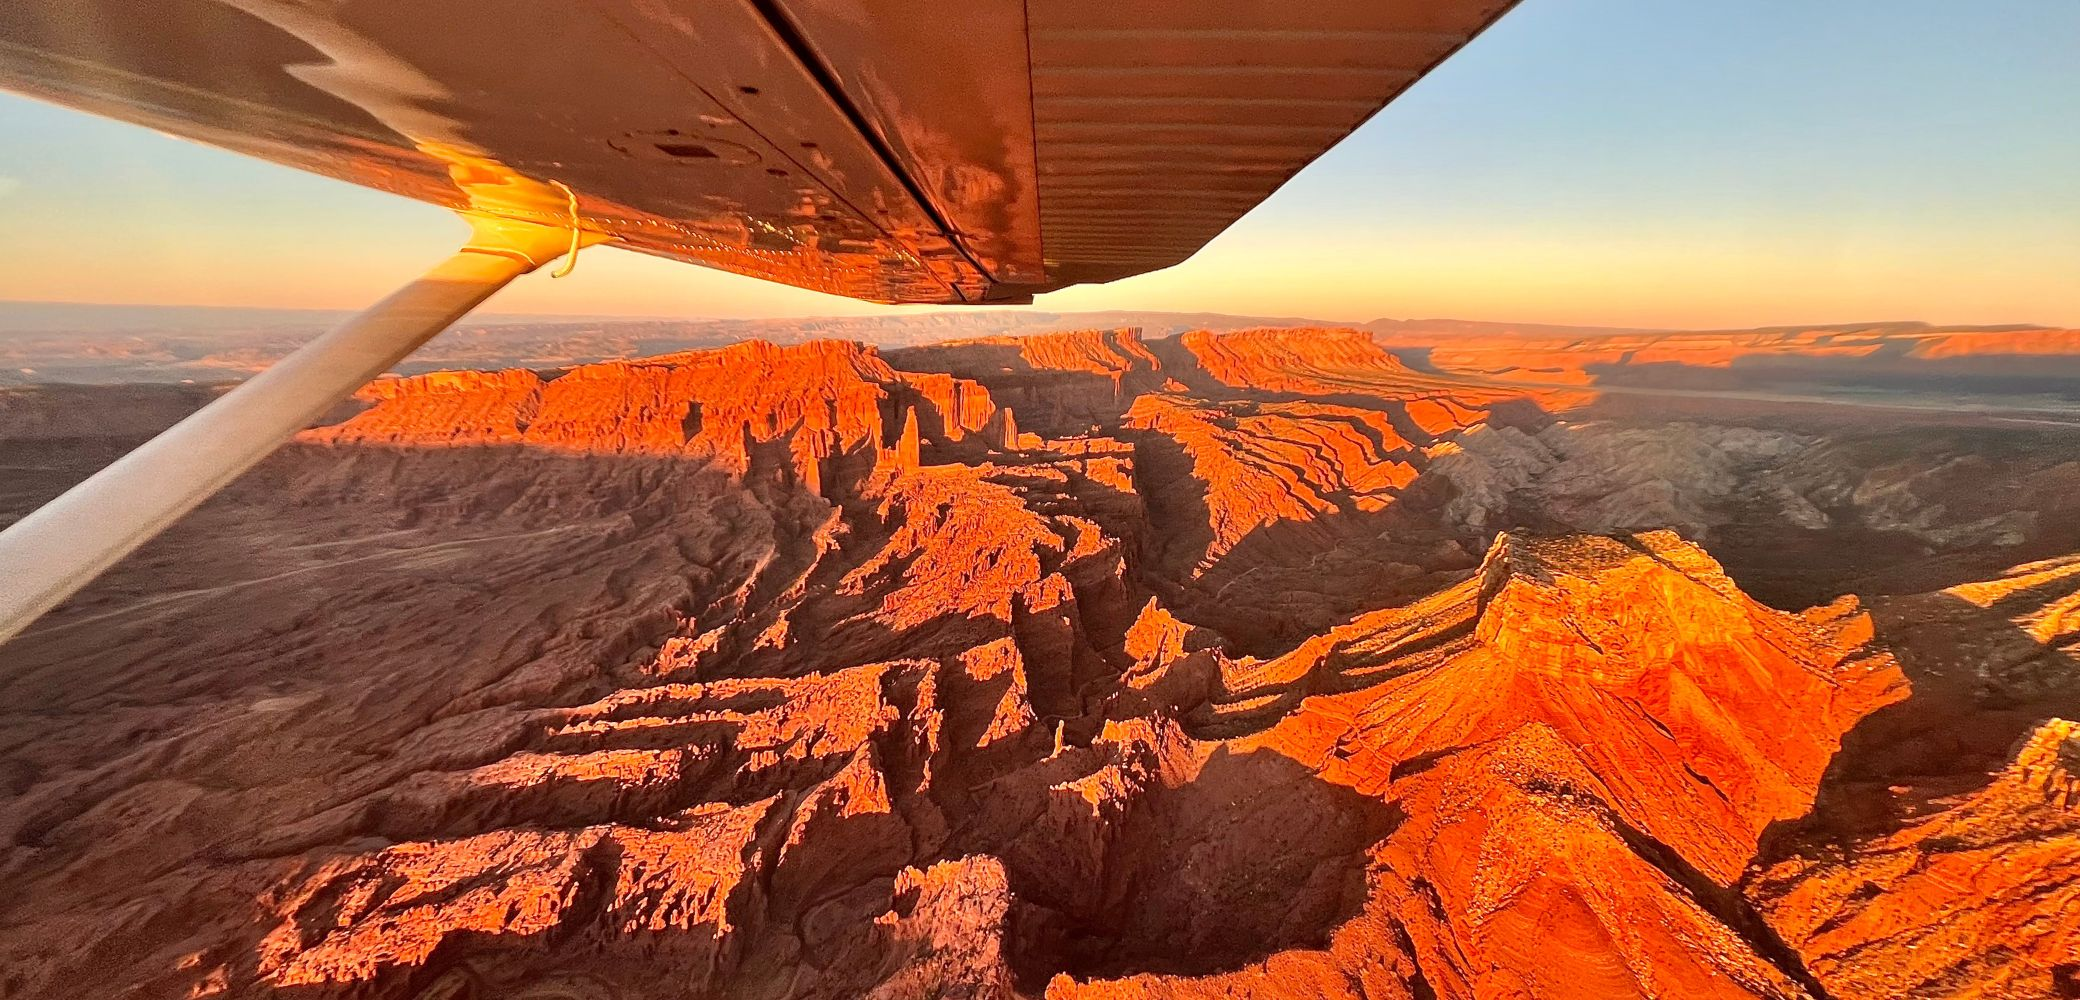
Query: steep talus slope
x,y
813,672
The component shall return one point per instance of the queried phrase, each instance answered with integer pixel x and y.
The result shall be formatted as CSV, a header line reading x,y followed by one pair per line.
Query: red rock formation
x,y
1731,707
961,406
1944,860
786,672
1262,464
1065,382
822,400
905,456
1317,362
1562,834
1979,899
1115,354
1345,363
2029,344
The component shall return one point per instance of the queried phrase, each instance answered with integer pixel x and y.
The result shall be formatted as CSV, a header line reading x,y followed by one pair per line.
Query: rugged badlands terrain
x,y
1249,665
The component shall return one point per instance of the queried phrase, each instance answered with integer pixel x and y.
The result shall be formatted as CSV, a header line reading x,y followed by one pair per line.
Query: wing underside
x,y
889,150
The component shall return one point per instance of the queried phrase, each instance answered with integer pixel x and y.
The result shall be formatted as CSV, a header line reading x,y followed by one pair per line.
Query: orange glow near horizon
x,y
1588,162
1639,284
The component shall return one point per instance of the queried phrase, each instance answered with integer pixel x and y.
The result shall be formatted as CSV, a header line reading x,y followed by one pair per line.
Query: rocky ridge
x,y
1267,665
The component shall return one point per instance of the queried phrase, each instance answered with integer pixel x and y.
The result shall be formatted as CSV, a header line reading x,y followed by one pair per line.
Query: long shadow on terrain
x,y
1949,737
1252,856
293,683
1287,581
1891,369
1975,473
1290,579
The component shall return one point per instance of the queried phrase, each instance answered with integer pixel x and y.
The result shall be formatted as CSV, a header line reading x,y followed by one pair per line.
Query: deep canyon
x,y
1284,662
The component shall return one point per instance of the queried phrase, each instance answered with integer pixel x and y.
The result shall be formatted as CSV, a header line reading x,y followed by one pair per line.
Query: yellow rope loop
x,y
570,259
506,252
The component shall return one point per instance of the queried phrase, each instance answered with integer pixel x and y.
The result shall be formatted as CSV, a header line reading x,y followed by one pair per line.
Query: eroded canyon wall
x,y
1260,664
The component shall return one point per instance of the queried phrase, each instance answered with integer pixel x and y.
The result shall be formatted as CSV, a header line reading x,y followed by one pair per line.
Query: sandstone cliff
x,y
1262,664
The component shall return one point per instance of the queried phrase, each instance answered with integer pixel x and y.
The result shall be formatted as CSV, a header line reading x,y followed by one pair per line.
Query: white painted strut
x,y
48,555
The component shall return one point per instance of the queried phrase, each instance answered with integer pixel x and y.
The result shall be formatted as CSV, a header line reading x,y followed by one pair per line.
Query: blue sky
x,y
1638,162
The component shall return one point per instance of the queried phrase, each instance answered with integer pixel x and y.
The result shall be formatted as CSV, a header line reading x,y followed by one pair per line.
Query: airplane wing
x,y
976,151
947,151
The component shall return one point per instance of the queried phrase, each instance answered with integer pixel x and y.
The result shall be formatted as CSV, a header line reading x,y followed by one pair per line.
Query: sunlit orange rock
x,y
821,400
1252,465
1548,757
1295,360
1346,365
1707,716
1980,898
1064,382
1943,859
2024,344
807,673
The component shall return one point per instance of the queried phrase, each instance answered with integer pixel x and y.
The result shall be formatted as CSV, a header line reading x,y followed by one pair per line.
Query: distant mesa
x,y
1096,663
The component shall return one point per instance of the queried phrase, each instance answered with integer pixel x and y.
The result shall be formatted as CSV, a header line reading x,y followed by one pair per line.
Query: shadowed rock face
x,y
1253,665
1979,898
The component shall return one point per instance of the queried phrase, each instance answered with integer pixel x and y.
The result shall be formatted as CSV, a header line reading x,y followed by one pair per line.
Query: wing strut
x,y
66,543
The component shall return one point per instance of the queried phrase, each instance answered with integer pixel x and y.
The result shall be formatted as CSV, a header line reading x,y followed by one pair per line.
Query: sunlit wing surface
x,y
946,151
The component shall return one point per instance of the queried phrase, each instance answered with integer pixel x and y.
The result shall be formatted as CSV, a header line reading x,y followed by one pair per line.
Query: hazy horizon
x,y
1609,527
1607,163
37,316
